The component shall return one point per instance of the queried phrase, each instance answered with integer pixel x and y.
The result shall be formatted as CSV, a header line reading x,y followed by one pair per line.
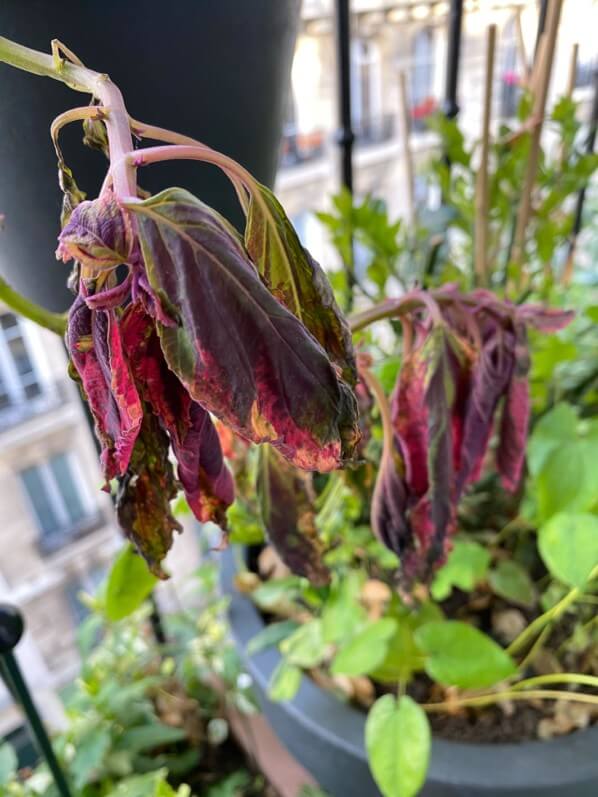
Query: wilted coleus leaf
x,y
470,353
144,495
203,475
98,234
96,351
286,501
296,280
240,353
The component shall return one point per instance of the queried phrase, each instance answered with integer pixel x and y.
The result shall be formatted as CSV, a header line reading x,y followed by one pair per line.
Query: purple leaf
x,y
98,234
240,353
286,501
206,480
296,279
96,351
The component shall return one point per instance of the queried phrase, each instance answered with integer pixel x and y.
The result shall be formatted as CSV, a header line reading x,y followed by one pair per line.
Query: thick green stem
x,y
55,322
556,611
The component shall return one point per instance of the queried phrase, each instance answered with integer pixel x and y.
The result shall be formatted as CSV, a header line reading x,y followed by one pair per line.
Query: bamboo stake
x,y
407,153
521,47
482,204
572,70
541,82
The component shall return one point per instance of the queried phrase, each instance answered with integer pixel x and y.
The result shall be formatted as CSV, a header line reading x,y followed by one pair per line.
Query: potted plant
x,y
361,635
207,321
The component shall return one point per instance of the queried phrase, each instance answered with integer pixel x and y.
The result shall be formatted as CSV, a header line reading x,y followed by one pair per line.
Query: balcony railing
x,y
374,130
52,396
300,148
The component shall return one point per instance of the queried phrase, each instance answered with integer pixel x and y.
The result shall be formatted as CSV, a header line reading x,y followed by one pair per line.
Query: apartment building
x,y
410,37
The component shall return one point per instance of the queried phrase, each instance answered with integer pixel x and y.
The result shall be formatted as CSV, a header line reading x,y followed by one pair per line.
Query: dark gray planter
x,y
217,70
326,737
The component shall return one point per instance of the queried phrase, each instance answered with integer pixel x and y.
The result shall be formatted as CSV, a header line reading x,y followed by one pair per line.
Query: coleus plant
x,y
208,322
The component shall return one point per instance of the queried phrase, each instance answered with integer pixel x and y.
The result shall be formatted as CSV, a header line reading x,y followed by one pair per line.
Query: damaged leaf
x,y
144,496
287,506
296,280
240,353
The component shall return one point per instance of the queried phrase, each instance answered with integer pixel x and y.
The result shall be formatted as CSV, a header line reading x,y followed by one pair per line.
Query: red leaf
x,y
96,351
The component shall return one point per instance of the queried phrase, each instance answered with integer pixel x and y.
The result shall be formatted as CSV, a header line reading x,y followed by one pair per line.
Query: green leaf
x,y
568,479
270,636
284,681
457,654
465,567
511,581
295,278
272,592
147,737
552,430
89,755
398,741
343,614
366,651
568,544
305,647
8,764
403,656
129,584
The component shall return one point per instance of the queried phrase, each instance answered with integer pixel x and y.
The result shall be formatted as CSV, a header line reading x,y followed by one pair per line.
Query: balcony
x,y
374,130
298,148
51,396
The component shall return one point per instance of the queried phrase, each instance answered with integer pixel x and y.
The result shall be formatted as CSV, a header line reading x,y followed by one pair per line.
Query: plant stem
x,y
526,636
510,694
55,322
79,78
557,678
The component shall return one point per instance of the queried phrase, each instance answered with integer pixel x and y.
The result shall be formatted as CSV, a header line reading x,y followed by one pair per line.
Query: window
x,y
509,83
422,79
18,380
58,500
371,125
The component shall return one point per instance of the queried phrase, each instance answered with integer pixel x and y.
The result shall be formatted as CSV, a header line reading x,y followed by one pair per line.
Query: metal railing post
x,y
11,630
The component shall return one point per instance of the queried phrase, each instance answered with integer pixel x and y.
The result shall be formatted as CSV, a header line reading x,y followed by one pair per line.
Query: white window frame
x,y
15,385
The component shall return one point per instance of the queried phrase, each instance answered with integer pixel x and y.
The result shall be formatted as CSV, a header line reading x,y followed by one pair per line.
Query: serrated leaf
x,y
457,654
568,544
398,742
366,650
284,681
511,581
295,278
239,352
129,584
270,636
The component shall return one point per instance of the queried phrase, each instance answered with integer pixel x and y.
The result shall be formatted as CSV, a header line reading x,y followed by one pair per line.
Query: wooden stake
x,y
407,154
521,47
541,79
572,70
481,194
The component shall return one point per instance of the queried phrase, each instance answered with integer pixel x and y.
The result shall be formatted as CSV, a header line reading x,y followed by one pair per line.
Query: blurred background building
x,y
57,533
